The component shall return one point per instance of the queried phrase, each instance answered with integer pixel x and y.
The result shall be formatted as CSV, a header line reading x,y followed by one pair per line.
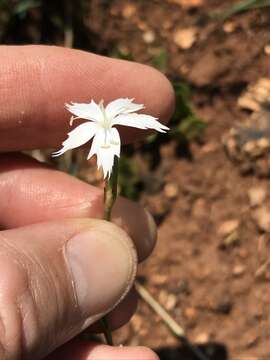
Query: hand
x,y
61,267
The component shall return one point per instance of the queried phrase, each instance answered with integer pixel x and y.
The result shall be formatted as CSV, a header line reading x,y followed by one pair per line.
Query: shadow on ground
x,y
212,351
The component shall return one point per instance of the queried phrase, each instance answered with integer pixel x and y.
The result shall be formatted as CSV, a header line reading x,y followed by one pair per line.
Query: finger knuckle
x,y
17,304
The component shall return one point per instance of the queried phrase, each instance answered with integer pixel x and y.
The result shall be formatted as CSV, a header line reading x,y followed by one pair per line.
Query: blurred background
x,y
207,181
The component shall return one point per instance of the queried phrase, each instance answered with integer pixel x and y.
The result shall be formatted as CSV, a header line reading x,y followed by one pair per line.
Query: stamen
x,y
72,119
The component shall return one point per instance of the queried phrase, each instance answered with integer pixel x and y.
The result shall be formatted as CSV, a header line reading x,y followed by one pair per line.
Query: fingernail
x,y
103,264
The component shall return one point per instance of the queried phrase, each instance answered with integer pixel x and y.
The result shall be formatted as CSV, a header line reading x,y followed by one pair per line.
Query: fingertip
x,y
83,350
138,222
162,100
105,352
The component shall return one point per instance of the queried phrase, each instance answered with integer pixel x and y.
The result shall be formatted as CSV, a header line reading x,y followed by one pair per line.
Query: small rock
x,y
171,302
171,191
267,49
191,313
263,143
136,322
210,147
129,10
202,338
262,218
185,38
187,3
229,27
230,240
238,270
149,37
250,148
159,279
228,227
257,195
162,296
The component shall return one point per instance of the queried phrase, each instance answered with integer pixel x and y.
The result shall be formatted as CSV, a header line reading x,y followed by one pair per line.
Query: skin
x,y
53,244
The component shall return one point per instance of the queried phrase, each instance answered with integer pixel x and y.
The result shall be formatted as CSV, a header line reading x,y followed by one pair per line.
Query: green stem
x,y
106,331
110,195
110,191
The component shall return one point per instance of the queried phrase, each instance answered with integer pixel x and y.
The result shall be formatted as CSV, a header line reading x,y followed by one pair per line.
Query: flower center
x,y
106,122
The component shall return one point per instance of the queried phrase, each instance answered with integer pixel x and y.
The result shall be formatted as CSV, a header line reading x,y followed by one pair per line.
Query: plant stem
x,y
110,195
106,331
110,191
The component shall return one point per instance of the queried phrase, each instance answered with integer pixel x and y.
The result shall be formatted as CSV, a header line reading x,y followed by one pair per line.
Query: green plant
x,y
241,6
185,123
160,60
22,7
128,178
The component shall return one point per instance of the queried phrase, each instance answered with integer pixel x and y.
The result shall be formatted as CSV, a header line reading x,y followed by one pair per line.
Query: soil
x,y
211,267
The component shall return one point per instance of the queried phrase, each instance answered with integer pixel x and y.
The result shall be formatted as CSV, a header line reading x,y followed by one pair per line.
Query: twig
x,y
174,327
261,270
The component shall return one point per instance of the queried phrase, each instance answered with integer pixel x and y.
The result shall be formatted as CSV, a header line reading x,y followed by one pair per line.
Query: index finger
x,y
36,82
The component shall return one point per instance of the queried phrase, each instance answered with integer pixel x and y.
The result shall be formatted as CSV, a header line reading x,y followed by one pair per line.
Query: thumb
x,y
56,279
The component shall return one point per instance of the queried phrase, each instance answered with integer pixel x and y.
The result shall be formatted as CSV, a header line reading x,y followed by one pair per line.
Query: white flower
x,y
100,126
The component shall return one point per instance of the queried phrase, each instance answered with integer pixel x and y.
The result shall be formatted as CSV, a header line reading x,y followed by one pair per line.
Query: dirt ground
x,y
211,267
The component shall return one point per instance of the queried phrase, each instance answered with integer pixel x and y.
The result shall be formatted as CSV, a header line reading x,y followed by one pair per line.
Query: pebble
x,y
171,302
262,218
228,227
159,279
202,338
191,313
185,38
238,270
129,10
256,195
187,3
267,49
167,300
149,37
229,27
136,322
171,191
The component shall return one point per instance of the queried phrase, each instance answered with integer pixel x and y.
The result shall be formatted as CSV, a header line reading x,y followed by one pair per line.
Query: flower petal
x,y
89,111
106,145
140,121
77,137
122,106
